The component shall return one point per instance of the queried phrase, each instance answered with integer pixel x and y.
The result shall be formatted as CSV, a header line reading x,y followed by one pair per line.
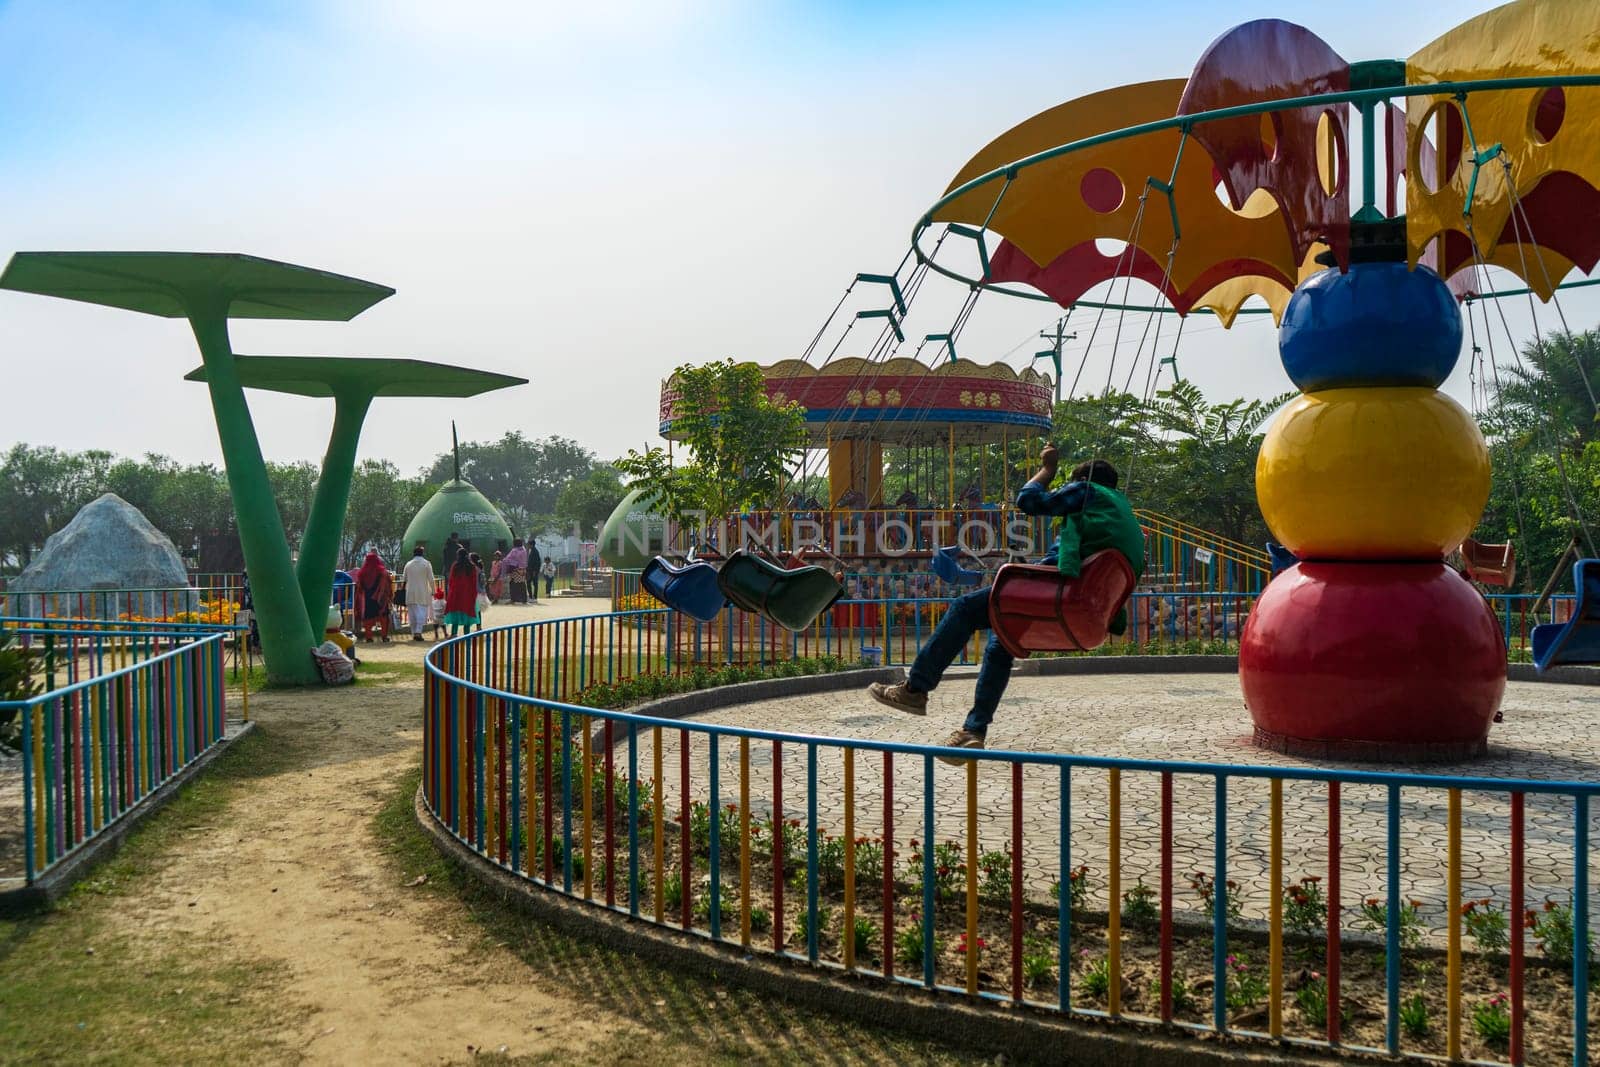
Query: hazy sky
x,y
584,194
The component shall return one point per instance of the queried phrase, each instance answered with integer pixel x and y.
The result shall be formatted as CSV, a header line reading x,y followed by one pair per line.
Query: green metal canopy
x,y
208,288
325,376
164,283
353,382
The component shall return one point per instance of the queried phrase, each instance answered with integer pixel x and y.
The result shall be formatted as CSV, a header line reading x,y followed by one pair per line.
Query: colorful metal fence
x,y
124,709
581,801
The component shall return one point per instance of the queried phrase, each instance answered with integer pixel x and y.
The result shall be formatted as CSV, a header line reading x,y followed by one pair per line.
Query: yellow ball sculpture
x,y
1373,474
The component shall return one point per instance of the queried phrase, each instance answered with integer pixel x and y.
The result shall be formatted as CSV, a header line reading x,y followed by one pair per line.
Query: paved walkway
x,y
1551,732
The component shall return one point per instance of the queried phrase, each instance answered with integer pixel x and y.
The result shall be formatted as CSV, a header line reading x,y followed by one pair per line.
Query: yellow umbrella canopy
x,y
1213,211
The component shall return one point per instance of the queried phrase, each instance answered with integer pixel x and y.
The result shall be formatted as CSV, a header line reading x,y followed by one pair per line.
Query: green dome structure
x,y
459,508
633,533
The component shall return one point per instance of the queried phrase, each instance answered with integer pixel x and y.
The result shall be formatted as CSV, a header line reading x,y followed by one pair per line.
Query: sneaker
x,y
900,697
961,739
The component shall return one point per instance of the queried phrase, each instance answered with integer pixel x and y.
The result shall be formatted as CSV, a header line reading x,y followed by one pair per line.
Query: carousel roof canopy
x,y
1220,195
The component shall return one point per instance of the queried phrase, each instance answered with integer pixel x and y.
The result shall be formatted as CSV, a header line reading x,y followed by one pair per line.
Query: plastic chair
x,y
948,570
1576,641
1039,609
791,599
1282,558
689,590
1489,564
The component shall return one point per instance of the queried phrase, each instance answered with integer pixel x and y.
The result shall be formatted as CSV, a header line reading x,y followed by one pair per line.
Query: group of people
x,y
517,572
470,586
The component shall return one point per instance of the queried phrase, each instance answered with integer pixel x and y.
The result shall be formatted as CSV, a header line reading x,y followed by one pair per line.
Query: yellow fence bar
x,y
1453,913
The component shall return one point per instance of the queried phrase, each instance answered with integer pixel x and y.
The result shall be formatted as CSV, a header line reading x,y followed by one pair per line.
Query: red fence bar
x,y
1517,906
888,865
777,846
1333,913
1016,882
549,808
1166,896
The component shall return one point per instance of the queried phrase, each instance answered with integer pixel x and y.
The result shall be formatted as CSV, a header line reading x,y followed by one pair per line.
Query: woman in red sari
x,y
461,595
374,597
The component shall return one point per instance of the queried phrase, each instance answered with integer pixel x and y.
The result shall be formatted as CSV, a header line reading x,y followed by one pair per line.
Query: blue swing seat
x,y
948,570
1282,558
1576,641
689,590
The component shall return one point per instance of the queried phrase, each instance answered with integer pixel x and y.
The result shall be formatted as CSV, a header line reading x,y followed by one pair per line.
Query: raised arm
x,y
1035,498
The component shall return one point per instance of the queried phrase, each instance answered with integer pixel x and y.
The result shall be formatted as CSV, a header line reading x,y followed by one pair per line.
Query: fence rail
x,y
744,835
124,709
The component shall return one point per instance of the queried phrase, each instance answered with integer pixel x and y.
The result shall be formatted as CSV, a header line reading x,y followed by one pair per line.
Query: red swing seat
x,y
1039,609
1489,564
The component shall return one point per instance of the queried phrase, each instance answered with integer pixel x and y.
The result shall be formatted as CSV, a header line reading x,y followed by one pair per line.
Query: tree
x,y
741,444
522,478
585,504
1545,451
40,490
381,506
293,485
1206,474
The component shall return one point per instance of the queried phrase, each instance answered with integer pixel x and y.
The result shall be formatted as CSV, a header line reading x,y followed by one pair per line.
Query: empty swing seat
x,y
1489,564
1282,558
1039,609
791,599
689,590
952,572
1576,641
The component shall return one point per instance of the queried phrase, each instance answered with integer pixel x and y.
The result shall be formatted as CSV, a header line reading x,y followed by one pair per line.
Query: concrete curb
x,y
54,883
1130,665
1026,1034
683,704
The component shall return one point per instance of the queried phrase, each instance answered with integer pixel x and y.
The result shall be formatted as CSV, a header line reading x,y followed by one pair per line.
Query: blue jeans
x,y
967,615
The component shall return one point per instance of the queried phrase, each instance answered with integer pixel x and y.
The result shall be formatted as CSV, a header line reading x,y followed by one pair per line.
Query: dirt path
x,y
295,875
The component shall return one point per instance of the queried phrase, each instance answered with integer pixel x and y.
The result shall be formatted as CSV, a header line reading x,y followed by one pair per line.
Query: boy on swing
x,y
1094,516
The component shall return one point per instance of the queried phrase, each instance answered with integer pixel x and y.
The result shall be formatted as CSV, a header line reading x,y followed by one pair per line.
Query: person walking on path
x,y
374,597
514,569
418,578
535,568
461,594
497,585
1094,516
548,571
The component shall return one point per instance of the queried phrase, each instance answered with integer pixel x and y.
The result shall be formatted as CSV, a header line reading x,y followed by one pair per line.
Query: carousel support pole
x,y
950,469
1005,465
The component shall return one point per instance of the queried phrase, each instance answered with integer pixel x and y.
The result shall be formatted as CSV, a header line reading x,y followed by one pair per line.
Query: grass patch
x,y
685,1017
73,989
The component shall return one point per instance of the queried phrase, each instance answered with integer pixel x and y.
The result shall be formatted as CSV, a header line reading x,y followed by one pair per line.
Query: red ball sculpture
x,y
1379,661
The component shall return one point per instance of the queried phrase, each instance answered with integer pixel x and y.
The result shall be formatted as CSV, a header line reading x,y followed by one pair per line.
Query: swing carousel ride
x,y
1368,206
1236,183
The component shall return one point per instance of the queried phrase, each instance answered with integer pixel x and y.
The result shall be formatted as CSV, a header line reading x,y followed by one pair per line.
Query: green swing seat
x,y
791,599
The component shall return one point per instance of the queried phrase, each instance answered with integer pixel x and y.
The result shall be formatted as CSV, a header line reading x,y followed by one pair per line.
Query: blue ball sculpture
x,y
1377,324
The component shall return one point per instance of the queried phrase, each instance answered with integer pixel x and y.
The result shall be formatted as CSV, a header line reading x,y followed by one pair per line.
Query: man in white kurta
x,y
418,575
